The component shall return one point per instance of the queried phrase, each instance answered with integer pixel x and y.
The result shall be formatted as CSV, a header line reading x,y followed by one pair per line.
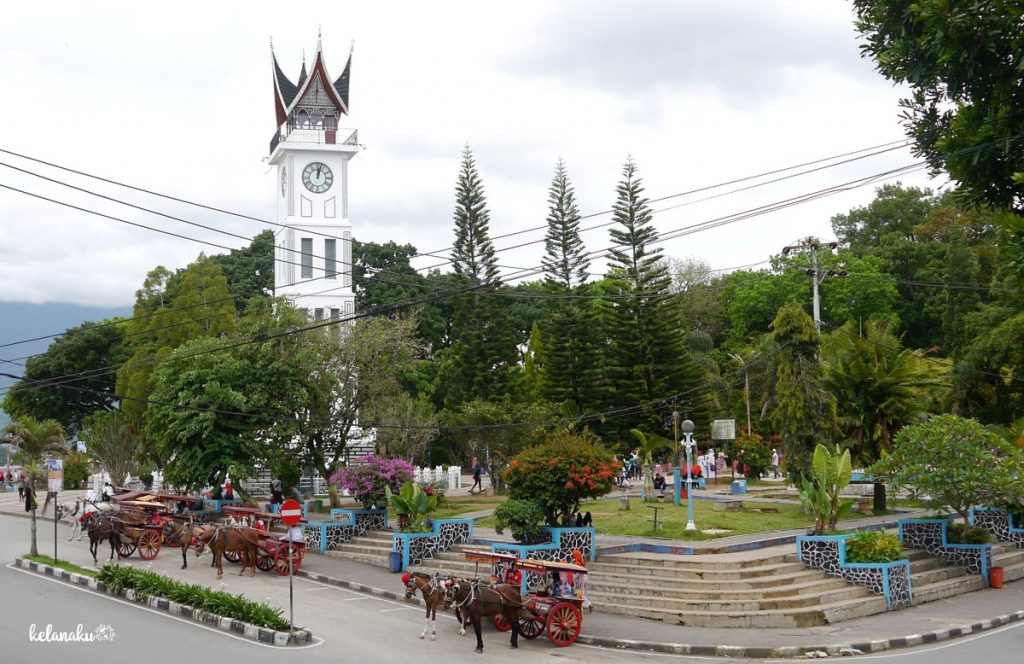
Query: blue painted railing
x,y
932,536
828,553
417,547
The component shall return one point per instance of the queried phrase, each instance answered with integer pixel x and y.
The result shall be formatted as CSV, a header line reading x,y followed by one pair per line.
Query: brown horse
x,y
476,601
234,538
185,535
100,528
432,590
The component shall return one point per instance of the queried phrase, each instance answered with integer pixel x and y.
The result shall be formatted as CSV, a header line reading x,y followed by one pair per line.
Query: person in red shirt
x,y
513,576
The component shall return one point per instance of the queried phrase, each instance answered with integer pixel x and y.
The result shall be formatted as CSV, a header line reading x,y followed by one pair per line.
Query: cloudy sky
x,y
180,101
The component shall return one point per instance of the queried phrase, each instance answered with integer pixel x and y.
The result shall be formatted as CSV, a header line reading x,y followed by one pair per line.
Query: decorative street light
x,y
688,442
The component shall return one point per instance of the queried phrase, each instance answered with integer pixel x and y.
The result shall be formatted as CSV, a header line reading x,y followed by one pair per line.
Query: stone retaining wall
x,y
828,553
931,535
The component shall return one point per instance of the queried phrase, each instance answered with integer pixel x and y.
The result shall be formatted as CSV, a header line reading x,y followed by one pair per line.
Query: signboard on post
x,y
723,430
291,514
55,476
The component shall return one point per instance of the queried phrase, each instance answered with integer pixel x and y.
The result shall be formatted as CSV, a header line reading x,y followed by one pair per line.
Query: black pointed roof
x,y
287,94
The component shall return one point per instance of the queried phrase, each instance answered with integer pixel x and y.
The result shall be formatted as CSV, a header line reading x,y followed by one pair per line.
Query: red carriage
x,y
273,552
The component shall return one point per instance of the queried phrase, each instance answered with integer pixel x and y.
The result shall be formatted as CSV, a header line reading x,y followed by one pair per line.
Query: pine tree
x,y
647,358
483,348
570,340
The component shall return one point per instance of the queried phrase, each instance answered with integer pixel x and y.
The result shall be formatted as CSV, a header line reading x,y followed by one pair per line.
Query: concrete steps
x,y
372,548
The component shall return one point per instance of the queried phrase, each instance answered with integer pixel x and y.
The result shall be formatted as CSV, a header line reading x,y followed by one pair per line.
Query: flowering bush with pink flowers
x,y
366,478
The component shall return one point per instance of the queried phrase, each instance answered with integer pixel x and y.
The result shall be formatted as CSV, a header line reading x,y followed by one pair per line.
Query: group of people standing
x,y
7,477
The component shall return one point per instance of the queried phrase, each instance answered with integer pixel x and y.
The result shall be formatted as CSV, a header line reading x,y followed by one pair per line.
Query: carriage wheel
x,y
125,548
531,628
501,623
264,562
564,622
281,559
232,556
149,544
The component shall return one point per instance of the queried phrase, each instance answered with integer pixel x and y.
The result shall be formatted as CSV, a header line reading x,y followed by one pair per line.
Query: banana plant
x,y
832,472
412,505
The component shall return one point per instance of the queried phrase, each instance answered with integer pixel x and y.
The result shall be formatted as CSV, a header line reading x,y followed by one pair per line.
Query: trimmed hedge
x,y
872,546
118,578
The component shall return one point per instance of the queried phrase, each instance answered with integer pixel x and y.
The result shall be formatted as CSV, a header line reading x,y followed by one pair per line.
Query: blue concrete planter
x,y
828,553
999,522
932,536
445,534
210,505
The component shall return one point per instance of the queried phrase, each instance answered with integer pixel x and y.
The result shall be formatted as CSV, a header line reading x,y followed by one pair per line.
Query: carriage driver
x,y
513,576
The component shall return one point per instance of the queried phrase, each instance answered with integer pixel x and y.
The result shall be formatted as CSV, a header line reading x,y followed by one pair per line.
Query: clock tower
x,y
313,255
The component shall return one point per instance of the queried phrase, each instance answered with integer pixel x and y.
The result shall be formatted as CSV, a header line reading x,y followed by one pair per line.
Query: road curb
x,y
235,627
751,652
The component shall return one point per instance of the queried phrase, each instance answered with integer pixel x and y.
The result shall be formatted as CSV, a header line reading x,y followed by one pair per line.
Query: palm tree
x,y
35,438
879,387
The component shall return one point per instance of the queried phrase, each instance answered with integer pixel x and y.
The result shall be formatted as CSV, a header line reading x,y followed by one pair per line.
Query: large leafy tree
x,y
962,63
170,310
483,348
351,377
646,359
34,439
880,386
804,411
116,440
249,271
570,330
957,462
86,352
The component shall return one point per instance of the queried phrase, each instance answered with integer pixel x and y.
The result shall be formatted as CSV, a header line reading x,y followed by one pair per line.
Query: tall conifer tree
x,y
647,358
570,343
483,347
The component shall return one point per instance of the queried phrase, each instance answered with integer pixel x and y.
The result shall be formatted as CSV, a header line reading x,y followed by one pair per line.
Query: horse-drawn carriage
x,y
556,608
138,526
273,551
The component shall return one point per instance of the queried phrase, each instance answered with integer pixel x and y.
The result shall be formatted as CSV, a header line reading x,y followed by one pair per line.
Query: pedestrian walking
x,y
775,462
21,486
477,472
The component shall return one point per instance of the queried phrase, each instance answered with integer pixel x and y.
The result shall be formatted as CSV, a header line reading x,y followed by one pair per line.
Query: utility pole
x,y
812,247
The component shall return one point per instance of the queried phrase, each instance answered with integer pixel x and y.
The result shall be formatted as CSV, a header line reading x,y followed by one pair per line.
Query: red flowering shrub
x,y
561,472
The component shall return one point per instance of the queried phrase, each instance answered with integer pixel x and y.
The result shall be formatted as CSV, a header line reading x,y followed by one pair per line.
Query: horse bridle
x,y
411,587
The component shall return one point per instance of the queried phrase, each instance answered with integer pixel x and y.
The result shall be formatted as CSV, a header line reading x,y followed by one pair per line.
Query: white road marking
x,y
401,608
317,641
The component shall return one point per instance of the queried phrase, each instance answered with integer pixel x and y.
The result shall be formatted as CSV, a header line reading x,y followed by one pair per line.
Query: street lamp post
x,y
688,442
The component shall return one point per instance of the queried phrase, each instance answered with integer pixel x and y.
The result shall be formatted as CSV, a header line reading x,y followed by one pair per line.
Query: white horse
x,y
72,517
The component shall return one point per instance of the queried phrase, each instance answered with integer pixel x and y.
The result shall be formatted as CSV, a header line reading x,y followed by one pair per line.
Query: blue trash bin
x,y
739,487
395,561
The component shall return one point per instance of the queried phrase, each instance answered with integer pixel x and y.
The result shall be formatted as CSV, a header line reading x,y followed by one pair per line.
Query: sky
x,y
177,98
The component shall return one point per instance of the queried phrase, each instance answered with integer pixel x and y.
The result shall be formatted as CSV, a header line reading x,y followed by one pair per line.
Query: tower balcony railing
x,y
319,135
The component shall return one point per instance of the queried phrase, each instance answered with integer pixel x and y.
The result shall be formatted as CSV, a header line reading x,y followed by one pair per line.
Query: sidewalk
x,y
935,621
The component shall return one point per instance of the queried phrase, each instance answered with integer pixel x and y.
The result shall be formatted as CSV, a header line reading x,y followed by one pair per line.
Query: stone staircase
x,y
763,588
371,548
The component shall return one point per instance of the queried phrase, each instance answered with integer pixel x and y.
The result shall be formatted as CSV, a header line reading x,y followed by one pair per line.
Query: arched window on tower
x,y
302,119
316,120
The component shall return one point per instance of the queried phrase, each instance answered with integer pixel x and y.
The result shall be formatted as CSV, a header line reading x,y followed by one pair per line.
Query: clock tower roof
x,y
289,96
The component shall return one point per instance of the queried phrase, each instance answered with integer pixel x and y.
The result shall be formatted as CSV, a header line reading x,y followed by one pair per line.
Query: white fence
x,y
453,476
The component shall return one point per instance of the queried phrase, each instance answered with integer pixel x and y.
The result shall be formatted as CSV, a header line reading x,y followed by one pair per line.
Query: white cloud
x,y
179,101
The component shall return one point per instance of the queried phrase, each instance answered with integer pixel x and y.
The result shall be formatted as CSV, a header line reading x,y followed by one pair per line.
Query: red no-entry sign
x,y
291,512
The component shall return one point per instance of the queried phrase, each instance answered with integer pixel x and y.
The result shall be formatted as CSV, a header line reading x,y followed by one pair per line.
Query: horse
x,y
243,540
185,535
432,592
100,528
64,513
476,601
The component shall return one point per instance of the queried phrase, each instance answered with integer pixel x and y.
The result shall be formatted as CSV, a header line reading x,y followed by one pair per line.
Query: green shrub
x,y
873,546
754,453
523,518
959,533
118,578
76,470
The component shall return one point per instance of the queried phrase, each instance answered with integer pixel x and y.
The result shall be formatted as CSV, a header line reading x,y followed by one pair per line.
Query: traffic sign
x,y
291,512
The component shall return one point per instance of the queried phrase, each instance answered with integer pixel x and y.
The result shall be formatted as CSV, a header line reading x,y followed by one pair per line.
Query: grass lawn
x,y
610,520
62,564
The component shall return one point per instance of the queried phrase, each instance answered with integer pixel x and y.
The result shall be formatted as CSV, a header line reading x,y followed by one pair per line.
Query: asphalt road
x,y
351,627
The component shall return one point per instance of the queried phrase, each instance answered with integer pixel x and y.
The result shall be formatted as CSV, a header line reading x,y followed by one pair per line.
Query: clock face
x,y
284,181
317,177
